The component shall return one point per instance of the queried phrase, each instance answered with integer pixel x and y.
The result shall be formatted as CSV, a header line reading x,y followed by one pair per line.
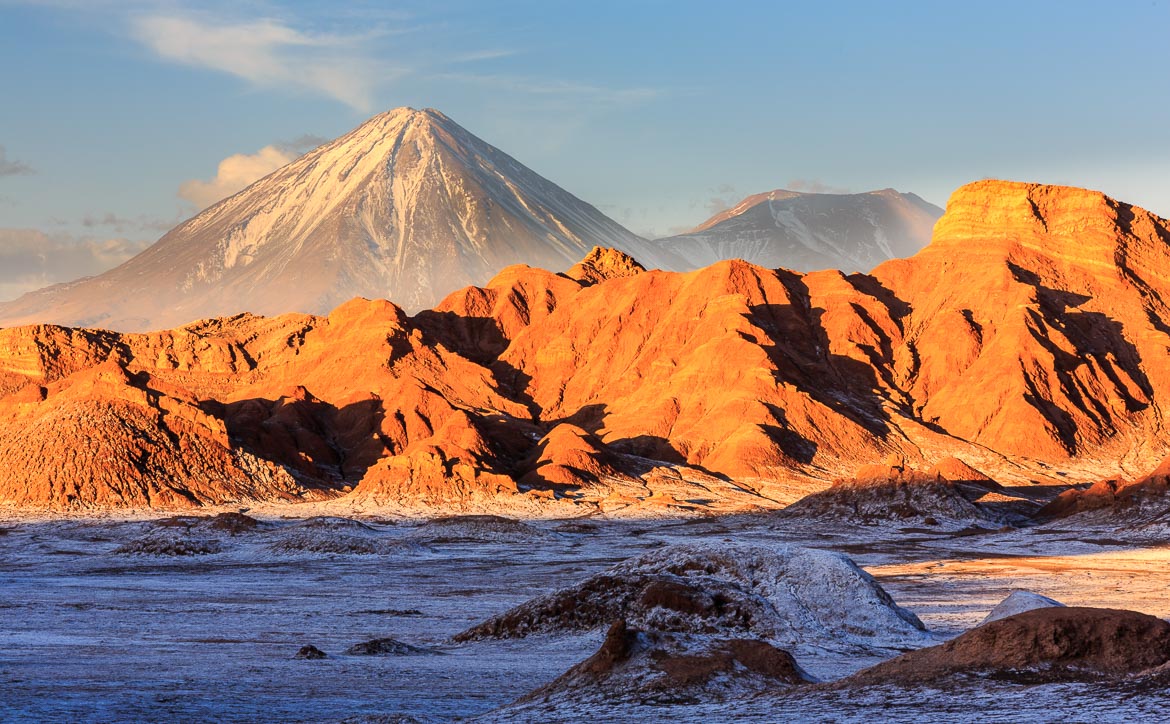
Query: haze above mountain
x,y
410,207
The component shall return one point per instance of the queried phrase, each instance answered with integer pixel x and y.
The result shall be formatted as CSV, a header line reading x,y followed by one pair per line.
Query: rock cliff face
x,y
1035,325
1028,342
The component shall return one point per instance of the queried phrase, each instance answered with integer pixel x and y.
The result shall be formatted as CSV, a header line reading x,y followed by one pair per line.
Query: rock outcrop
x,y
792,597
654,667
881,493
1046,644
1143,501
386,647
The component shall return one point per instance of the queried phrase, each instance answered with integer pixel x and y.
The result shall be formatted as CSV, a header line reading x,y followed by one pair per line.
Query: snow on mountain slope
x,y
809,232
409,206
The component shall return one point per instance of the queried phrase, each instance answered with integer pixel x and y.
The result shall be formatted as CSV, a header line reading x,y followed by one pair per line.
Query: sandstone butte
x,y
1028,340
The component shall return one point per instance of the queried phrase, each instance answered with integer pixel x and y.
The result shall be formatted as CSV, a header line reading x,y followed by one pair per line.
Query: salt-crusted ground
x,y
104,620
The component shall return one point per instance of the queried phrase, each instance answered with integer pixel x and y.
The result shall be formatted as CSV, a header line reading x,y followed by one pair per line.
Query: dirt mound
x,y
885,493
329,522
582,527
789,596
170,542
332,536
652,667
310,652
1018,602
475,529
327,544
1046,644
386,647
230,523
1101,495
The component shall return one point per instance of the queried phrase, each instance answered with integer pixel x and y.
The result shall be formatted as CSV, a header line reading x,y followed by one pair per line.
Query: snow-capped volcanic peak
x,y
409,206
400,171
806,232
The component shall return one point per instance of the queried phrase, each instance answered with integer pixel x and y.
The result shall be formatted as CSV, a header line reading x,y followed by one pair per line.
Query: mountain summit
x,y
409,206
807,231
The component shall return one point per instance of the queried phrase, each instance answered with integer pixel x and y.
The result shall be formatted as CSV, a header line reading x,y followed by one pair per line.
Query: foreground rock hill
x,y
1027,341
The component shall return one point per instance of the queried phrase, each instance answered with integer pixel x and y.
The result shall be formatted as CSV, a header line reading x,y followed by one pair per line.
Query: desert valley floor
x,y
939,491
201,619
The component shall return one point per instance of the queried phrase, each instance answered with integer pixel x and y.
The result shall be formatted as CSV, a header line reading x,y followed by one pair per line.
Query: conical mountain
x,y
809,232
409,206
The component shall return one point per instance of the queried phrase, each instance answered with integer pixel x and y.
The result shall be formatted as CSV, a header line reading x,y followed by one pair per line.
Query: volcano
x,y
409,206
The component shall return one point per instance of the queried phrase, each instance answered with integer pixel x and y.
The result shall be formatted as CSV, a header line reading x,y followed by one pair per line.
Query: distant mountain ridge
x,y
810,231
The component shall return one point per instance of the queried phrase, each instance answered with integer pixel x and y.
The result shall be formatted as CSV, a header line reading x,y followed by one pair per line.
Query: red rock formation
x,y
569,457
634,665
225,410
601,264
106,437
1140,501
1027,339
1034,323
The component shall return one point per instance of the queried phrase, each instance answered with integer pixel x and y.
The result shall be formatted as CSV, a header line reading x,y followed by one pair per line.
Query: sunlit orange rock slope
x,y
1028,340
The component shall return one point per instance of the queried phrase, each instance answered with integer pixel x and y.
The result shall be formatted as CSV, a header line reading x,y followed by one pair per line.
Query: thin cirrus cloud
x,y
238,171
12,167
122,225
814,186
538,87
268,53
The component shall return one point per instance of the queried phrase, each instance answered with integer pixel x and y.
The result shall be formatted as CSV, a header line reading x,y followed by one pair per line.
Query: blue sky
x,y
114,116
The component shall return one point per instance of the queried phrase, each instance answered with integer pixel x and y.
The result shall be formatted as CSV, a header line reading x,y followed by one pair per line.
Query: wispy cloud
x,y
340,51
31,259
481,55
12,167
302,144
238,171
597,94
722,198
234,173
814,186
269,53
123,225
